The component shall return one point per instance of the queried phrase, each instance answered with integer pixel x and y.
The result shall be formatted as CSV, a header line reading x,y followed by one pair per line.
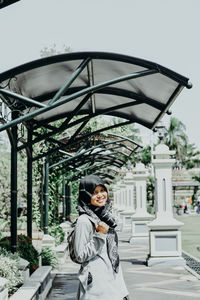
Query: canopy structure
x,y
86,84
62,93
90,83
98,154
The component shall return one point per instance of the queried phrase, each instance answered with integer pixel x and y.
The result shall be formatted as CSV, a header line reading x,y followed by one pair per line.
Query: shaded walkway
x,y
152,283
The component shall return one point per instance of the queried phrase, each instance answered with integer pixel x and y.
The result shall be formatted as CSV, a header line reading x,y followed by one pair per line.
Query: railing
x,y
192,263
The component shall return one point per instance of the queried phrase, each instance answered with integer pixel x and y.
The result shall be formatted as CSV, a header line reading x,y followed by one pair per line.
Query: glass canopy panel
x,y
143,99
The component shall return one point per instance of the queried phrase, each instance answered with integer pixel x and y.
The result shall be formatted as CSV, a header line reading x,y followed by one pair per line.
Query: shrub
x,y
9,269
25,250
57,232
48,257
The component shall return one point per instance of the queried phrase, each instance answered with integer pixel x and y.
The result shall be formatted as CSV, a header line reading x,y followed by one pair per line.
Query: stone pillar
x,y
165,236
121,203
129,206
140,231
66,227
48,241
115,206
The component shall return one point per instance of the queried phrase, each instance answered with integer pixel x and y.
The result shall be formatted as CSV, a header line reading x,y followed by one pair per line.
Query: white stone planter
x,y
3,289
36,287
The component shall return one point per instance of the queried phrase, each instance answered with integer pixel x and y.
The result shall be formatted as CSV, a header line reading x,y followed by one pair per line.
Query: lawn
x,y
190,233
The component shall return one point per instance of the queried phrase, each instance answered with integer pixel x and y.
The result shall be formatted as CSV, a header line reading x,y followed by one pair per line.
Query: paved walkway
x,y
152,283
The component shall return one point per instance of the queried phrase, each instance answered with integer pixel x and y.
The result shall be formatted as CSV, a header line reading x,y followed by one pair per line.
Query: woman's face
x,y
99,196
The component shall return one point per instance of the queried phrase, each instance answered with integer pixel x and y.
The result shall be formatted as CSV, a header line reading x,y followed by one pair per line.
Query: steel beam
x,y
70,81
75,111
21,98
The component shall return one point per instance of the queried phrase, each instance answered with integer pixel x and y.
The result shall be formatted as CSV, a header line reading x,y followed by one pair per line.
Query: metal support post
x,y
13,227
64,198
68,201
46,195
29,184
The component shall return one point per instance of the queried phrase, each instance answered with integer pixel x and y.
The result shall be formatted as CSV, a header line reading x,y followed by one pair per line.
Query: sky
x,y
165,32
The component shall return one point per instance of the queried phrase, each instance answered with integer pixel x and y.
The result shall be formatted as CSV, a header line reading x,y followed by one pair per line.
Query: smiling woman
x,y
96,244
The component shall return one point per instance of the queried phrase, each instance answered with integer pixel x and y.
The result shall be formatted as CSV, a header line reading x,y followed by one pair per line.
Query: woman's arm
x,y
87,244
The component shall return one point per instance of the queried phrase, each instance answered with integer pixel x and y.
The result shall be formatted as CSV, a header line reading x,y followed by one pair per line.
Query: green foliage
x,y
3,226
176,138
146,155
55,196
9,269
192,157
129,131
22,191
25,250
150,190
4,186
9,254
52,50
196,177
75,191
57,232
5,183
37,188
49,257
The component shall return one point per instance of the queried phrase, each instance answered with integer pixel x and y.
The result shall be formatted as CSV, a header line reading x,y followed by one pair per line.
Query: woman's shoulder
x,y
83,224
83,219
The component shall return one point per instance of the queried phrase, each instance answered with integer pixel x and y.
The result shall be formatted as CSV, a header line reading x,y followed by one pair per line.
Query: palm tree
x,y
176,138
192,157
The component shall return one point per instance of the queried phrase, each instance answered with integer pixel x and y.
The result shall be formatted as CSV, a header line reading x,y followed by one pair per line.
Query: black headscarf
x,y
86,189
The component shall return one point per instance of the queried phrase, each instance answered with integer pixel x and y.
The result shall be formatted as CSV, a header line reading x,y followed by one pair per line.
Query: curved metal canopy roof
x,y
99,153
89,84
106,142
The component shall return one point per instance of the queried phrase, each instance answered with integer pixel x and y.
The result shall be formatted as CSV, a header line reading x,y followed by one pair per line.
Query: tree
x,y
129,131
52,50
192,157
176,138
146,155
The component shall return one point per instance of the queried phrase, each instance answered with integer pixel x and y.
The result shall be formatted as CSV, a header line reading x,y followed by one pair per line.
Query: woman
x,y
96,244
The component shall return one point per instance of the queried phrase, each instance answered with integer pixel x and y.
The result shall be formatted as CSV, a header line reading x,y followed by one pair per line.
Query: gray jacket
x,y
97,279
